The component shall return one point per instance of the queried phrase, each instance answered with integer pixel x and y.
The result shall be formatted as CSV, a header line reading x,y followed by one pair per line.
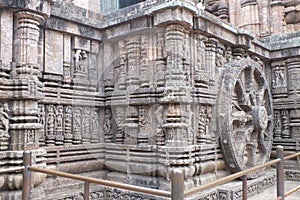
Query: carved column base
x,y
15,158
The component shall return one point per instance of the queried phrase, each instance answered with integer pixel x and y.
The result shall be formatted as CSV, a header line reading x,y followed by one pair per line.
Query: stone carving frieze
x,y
68,125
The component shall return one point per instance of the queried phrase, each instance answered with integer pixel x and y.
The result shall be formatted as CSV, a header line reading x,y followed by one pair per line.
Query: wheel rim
x,y
245,116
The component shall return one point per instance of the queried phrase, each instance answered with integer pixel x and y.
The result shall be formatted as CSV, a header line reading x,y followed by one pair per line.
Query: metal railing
x,y
177,179
279,174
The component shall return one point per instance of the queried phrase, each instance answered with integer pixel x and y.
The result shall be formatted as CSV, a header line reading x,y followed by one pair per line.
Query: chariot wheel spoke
x,y
247,120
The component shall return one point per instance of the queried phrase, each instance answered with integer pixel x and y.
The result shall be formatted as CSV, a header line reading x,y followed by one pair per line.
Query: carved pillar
x,y
210,56
131,126
174,47
160,61
121,69
42,117
293,67
264,17
25,127
223,10
67,58
144,63
133,50
250,16
201,73
277,16
285,124
177,89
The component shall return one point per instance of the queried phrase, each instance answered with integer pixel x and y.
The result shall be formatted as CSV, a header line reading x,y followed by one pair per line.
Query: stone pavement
x,y
270,193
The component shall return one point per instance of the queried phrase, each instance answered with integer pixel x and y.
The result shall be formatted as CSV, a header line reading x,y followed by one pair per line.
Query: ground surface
x,y
270,193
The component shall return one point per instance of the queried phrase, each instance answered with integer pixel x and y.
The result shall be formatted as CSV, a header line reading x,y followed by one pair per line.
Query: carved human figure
x,y
59,118
77,60
32,88
77,125
50,135
59,125
160,45
277,125
119,123
279,78
68,124
86,124
122,73
220,59
84,61
200,54
107,126
94,126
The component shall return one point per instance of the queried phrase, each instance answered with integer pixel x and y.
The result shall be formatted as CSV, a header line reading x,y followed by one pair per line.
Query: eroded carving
x,y
4,127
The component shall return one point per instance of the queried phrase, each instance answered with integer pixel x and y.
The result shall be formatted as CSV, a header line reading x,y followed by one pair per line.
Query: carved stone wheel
x,y
245,116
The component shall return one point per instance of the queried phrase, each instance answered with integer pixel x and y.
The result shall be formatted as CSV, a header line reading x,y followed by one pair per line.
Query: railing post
x,y
86,193
177,185
245,188
280,172
26,189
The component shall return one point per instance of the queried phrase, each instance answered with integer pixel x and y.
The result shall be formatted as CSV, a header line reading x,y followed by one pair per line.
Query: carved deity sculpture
x,y
277,125
86,125
80,61
279,78
119,122
201,123
77,126
77,60
160,45
68,124
59,125
107,126
94,126
50,135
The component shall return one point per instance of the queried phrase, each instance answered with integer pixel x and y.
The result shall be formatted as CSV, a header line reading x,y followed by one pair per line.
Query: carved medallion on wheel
x,y
245,116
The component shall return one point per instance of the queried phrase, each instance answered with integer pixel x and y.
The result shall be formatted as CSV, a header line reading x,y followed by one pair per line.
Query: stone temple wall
x,y
131,95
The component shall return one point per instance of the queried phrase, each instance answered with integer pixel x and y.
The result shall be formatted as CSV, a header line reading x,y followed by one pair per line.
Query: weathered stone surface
x,y
54,52
133,93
